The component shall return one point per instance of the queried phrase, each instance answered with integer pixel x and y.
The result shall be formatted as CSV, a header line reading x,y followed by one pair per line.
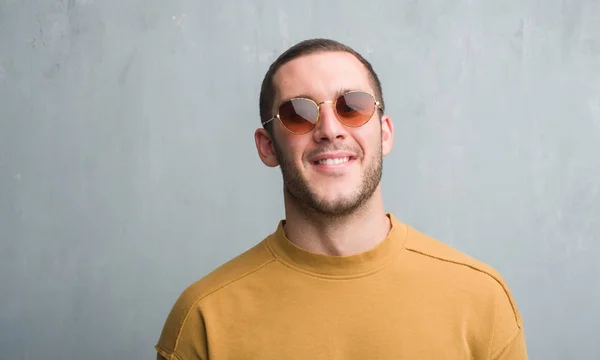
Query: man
x,y
339,278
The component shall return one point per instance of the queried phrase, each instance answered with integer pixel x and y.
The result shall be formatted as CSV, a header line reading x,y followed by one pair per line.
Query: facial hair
x,y
298,187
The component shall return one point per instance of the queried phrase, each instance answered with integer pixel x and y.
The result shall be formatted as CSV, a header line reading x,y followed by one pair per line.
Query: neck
x,y
337,235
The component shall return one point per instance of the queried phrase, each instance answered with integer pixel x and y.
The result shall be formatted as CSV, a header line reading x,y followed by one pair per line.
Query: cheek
x,y
369,143
292,149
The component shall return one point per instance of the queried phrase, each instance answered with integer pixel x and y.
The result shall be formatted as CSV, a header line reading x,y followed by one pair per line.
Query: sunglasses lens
x,y
355,108
298,115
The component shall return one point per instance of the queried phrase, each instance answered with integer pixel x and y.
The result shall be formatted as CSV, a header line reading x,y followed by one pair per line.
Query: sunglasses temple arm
x,y
268,121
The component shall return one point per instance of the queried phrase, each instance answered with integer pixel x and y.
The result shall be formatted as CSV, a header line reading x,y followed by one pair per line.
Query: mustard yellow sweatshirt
x,y
411,297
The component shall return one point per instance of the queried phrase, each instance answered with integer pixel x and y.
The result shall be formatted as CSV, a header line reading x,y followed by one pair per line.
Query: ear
x,y
265,147
387,134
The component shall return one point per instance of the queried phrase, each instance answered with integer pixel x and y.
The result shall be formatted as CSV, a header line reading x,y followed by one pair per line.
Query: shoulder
x,y
185,314
228,273
461,270
438,252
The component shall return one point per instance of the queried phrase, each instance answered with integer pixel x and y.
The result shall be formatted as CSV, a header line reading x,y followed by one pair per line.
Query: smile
x,y
333,161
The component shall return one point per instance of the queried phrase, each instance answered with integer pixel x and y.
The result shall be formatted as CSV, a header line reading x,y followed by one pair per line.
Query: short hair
x,y
307,47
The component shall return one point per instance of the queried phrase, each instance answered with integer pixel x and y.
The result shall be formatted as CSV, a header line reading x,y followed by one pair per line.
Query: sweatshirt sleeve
x,y
183,336
515,350
508,340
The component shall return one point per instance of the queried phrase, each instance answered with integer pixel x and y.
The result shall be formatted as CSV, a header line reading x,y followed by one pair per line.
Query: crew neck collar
x,y
355,265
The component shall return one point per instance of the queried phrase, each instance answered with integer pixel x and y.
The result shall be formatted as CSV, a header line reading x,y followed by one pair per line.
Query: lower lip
x,y
333,167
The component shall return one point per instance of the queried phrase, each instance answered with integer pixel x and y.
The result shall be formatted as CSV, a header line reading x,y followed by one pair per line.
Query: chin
x,y
336,205
337,209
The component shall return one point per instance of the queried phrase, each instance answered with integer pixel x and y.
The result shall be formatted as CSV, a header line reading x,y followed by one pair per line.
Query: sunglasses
x,y
300,115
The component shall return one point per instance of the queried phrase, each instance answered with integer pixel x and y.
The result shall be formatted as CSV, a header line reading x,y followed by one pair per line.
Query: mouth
x,y
333,163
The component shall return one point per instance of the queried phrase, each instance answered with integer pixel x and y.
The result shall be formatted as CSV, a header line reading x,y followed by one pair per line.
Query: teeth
x,y
335,161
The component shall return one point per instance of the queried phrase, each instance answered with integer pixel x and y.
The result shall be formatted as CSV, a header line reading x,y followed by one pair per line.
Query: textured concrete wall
x,y
128,168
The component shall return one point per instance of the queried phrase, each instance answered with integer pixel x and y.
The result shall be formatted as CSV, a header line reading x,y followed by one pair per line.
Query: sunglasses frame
x,y
318,106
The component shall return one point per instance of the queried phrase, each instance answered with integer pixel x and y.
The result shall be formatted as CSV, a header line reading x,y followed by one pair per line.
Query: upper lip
x,y
338,155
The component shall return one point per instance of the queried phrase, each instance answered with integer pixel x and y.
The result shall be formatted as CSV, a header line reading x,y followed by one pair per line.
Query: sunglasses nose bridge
x,y
319,114
324,102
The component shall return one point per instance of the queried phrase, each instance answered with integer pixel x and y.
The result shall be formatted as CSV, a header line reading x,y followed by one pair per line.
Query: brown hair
x,y
307,47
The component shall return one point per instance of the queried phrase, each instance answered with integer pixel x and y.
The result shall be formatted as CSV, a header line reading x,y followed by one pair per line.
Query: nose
x,y
328,128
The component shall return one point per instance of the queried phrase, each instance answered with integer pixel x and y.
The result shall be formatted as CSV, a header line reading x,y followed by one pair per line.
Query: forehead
x,y
321,76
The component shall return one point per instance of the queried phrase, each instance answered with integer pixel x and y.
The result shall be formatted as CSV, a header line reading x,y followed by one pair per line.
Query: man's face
x,y
340,186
